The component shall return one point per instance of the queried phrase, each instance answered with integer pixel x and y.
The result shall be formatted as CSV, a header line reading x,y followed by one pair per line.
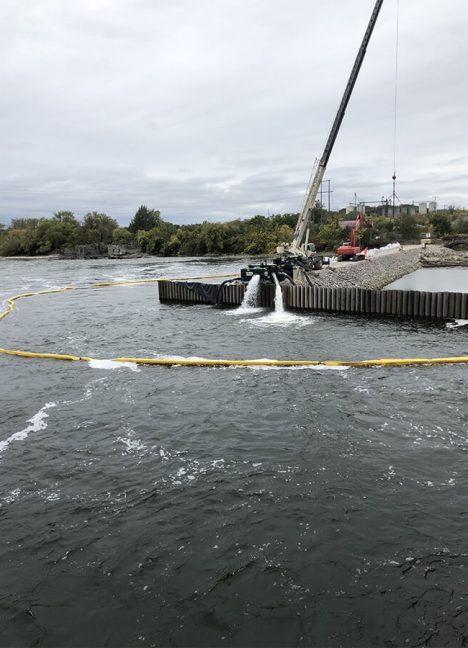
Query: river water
x,y
433,280
225,506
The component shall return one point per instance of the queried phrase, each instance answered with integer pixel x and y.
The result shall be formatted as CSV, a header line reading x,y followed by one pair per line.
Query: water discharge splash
x,y
279,305
251,294
280,317
250,302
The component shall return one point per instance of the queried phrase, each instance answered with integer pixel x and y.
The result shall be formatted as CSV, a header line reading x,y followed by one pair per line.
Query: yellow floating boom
x,y
383,362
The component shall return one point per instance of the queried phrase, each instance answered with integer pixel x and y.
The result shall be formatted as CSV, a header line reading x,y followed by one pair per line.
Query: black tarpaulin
x,y
208,291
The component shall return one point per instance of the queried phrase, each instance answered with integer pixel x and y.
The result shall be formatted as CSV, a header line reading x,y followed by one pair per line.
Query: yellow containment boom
x,y
206,362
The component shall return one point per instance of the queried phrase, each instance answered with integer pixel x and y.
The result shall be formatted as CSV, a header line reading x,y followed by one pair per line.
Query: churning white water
x,y
280,317
250,300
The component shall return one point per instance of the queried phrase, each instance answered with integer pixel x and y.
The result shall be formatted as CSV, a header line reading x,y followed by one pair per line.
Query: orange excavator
x,y
351,251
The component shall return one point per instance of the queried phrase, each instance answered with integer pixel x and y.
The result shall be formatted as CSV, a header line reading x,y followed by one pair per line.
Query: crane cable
x,y
395,100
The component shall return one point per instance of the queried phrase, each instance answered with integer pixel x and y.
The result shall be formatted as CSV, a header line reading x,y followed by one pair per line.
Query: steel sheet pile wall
x,y
388,303
267,295
395,303
176,291
232,294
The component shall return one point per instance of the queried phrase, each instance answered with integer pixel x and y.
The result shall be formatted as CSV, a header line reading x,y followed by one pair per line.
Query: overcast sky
x,y
217,109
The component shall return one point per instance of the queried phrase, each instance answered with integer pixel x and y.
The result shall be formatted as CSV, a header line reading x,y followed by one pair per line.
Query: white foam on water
x,y
450,482
113,364
281,318
88,392
132,445
36,423
48,495
457,323
12,496
251,310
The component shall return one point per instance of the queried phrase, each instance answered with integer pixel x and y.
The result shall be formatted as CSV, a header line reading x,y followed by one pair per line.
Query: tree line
x,y
150,234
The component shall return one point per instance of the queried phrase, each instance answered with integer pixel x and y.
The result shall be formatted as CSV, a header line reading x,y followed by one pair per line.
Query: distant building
x,y
408,210
88,251
427,207
403,209
115,251
400,210
359,208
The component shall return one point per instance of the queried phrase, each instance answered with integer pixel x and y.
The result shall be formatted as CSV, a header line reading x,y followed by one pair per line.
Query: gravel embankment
x,y
380,271
437,257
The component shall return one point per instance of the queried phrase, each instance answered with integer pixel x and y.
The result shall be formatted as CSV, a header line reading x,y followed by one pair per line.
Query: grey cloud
x,y
218,110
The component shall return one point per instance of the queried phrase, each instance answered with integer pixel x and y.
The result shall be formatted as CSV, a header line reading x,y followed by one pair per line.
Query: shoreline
x,y
375,273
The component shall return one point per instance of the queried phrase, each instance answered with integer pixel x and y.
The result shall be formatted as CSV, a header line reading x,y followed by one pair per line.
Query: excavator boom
x,y
352,251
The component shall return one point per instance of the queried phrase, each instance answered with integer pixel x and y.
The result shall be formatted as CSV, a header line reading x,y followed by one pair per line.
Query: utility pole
x,y
328,191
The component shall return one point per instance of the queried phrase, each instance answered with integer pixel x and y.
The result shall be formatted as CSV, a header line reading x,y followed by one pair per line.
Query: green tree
x,y
10,245
284,219
144,219
441,224
24,223
172,247
98,228
212,237
53,234
18,241
67,217
383,229
317,213
461,226
330,234
260,243
121,236
406,227
283,234
142,239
